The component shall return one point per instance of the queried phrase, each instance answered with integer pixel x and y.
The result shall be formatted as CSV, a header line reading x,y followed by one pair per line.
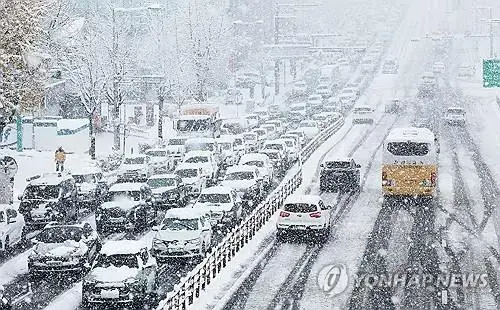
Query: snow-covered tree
x,y
21,62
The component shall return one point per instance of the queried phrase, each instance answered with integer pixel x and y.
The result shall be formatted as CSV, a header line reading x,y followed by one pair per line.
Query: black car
x,y
49,198
339,175
168,190
91,187
63,249
127,207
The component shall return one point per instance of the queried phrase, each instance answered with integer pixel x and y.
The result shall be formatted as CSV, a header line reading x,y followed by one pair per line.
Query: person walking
x,y
60,158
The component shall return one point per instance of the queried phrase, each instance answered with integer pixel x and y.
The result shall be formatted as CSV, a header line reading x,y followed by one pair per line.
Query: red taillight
x,y
433,179
384,176
284,214
315,214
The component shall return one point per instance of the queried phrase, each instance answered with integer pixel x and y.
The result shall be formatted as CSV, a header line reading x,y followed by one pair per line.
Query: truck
x,y
198,120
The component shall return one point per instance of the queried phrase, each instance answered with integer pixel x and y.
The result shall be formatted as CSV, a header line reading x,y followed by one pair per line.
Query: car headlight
x,y
195,241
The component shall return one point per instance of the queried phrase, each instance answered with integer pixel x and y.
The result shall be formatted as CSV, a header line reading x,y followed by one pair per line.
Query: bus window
x,y
408,148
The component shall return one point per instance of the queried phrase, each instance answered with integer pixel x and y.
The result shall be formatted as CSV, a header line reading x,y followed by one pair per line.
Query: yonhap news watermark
x,y
334,279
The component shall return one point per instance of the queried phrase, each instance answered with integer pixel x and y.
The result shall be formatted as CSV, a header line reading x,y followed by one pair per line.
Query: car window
x,y
41,192
163,182
59,234
197,159
255,163
117,260
84,178
11,214
214,198
187,173
240,175
135,161
300,207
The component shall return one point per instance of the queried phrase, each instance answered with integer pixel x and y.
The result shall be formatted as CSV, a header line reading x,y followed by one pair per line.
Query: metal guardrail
x,y
197,280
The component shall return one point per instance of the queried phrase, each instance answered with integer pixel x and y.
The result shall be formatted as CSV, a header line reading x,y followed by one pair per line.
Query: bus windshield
x,y
187,125
408,148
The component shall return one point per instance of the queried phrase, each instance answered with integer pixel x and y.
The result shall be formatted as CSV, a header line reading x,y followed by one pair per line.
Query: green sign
x,y
491,73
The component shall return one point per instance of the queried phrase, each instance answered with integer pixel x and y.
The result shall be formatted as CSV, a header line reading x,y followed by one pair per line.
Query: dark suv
x,y
61,248
123,276
340,175
49,198
127,207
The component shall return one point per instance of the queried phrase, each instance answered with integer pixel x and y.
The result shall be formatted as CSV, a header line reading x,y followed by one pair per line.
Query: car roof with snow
x,y
240,168
85,170
200,140
58,224
338,159
275,141
253,157
308,199
226,139
217,190
127,186
131,156
122,247
197,153
413,134
155,150
163,176
184,213
50,179
187,166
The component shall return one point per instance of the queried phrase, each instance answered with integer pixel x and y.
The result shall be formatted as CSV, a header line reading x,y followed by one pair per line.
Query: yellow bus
x,y
410,163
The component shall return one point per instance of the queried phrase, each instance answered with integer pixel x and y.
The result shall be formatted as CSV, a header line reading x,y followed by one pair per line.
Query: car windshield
x,y
255,163
187,173
408,148
163,182
134,161
272,155
117,260
240,175
157,153
226,146
179,224
364,109
59,234
297,108
456,112
41,192
200,147
300,207
337,164
307,124
176,141
214,198
197,159
84,178
118,195
347,91
249,137
314,98
289,143
274,146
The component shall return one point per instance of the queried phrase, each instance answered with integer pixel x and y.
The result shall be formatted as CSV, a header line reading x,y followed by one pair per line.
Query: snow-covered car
x,y
466,71
159,160
247,182
127,207
261,135
455,116
314,103
299,88
292,148
277,159
124,273
270,131
234,126
61,248
205,161
298,111
438,67
49,197
134,168
309,128
168,190
234,96
339,175
333,104
176,148
251,141
228,150
368,66
279,145
428,85
222,204
262,163
300,134
278,124
253,120
321,119
390,66
12,228
204,144
348,96
324,90
183,232
91,187
192,177
304,213
239,145
362,115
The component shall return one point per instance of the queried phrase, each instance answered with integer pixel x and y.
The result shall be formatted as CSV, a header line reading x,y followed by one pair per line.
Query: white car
x,y
253,120
228,150
304,213
278,145
159,160
176,149
192,177
367,66
324,90
300,134
262,163
204,160
292,149
261,135
466,71
314,102
12,231
298,111
280,128
246,181
362,115
251,141
183,232
299,88
333,104
90,184
348,96
134,167
270,130
223,204
438,67
309,128
455,115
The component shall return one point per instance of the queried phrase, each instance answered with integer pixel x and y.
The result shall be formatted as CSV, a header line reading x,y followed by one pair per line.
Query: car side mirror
x,y
20,197
358,166
155,228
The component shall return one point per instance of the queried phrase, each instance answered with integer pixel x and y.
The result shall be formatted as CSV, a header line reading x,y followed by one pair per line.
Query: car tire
x,y
7,247
280,236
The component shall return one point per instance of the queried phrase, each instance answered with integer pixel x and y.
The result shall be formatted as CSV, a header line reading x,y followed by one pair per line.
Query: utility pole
x,y
161,99
491,34
277,61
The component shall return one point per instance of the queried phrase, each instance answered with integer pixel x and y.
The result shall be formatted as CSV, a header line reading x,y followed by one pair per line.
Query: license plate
x,y
54,263
116,220
110,294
